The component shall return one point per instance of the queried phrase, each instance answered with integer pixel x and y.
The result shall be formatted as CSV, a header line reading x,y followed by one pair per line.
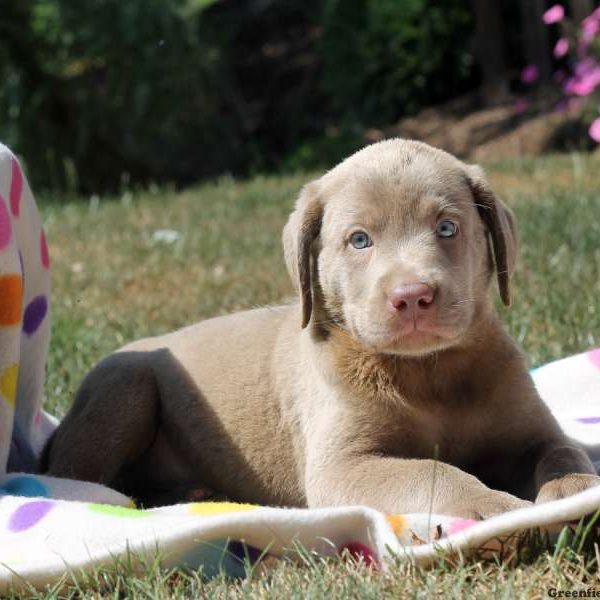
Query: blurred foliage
x,y
96,94
99,90
386,57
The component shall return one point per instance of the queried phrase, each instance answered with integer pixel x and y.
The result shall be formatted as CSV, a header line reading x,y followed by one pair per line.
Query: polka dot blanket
x,y
52,528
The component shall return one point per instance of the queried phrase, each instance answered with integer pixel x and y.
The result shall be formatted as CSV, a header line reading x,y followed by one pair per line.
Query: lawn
x,y
117,276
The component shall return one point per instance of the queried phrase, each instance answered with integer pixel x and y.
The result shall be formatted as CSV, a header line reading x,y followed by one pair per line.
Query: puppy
x,y
391,383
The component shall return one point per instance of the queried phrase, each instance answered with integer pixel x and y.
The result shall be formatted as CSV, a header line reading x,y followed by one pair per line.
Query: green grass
x,y
114,282
325,579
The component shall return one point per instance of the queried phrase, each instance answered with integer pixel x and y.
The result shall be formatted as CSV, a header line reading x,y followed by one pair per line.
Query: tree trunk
x,y
580,9
490,50
536,43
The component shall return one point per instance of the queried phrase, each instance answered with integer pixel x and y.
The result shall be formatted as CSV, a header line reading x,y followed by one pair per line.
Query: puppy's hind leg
x,y
112,422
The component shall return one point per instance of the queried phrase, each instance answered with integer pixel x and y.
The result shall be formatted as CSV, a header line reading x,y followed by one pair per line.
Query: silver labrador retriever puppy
x,y
391,382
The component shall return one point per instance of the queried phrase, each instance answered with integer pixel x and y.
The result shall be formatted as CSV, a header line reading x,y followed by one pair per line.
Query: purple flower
x,y
555,14
561,48
594,130
529,74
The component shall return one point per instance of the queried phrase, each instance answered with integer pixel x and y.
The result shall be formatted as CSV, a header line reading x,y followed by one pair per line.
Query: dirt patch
x,y
468,130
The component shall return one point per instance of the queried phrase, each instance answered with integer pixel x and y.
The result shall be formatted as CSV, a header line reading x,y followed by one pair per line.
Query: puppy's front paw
x,y
484,505
566,486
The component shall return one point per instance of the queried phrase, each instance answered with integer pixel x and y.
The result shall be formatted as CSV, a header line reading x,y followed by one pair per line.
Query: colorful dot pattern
x,y
211,509
26,486
589,420
5,225
397,523
30,514
460,525
118,511
594,357
8,383
44,255
16,188
24,304
360,552
34,314
11,292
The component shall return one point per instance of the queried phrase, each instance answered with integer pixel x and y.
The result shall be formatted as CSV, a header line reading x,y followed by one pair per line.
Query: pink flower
x,y
590,24
520,106
594,130
585,80
561,48
588,34
585,67
591,19
577,87
529,74
555,14
590,27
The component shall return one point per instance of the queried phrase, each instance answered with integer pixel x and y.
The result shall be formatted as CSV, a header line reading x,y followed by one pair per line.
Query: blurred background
x,y
167,139
103,95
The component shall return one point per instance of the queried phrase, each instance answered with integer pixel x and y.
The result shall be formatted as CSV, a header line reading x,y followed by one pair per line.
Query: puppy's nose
x,y
414,296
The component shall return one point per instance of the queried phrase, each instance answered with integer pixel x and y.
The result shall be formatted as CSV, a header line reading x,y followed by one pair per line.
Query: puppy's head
x,y
395,245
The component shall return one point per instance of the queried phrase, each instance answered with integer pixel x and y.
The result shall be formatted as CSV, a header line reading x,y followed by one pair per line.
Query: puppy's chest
x,y
453,435
453,429
427,413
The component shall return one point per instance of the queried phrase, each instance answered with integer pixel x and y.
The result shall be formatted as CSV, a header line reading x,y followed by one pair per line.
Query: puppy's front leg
x,y
394,485
562,470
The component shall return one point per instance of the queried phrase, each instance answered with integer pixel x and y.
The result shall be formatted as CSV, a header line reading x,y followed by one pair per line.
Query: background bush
x,y
97,93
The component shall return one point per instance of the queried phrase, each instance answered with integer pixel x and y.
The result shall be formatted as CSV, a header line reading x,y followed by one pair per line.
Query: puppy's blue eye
x,y
446,229
360,240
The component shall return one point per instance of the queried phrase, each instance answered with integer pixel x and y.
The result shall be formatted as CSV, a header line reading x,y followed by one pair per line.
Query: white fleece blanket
x,y
50,527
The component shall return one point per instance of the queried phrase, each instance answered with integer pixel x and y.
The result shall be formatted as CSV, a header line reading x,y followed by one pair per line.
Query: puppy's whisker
x,y
328,322
465,301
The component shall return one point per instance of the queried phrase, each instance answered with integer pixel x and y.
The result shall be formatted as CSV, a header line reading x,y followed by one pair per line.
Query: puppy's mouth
x,y
410,334
418,336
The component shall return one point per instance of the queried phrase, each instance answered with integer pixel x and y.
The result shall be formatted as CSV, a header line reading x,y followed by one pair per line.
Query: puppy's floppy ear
x,y
300,232
502,227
